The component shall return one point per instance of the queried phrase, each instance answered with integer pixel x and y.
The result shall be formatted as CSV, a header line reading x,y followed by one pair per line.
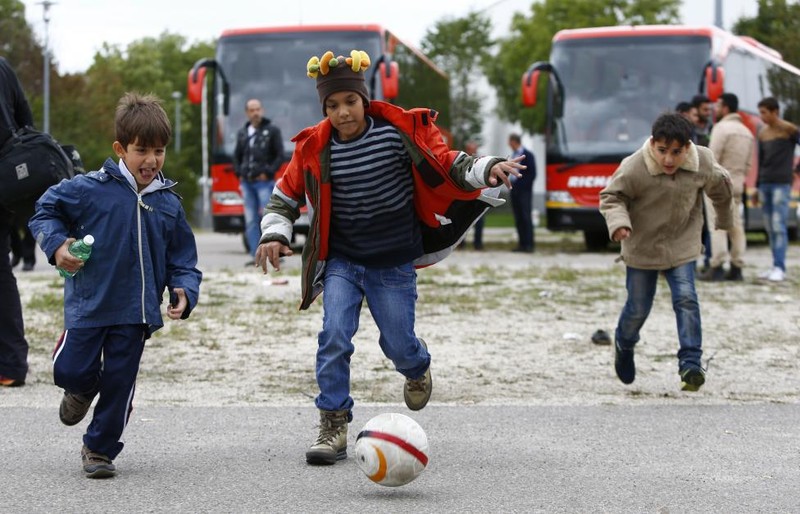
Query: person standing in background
x,y
522,195
776,145
471,148
256,159
13,345
700,136
732,144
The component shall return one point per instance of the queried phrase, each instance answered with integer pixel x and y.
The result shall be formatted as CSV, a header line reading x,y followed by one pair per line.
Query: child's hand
x,y
175,311
66,260
501,171
621,233
271,252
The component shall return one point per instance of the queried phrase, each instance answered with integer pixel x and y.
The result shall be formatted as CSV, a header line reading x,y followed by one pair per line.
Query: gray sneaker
x,y
74,408
96,465
331,444
417,391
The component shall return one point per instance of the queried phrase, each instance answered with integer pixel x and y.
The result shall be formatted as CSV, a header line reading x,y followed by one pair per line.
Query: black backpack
x,y
30,162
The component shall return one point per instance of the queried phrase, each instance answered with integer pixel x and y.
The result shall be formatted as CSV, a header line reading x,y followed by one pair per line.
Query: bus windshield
x,y
271,67
614,88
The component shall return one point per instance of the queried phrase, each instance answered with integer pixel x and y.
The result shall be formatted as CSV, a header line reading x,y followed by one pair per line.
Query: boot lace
x,y
418,384
329,429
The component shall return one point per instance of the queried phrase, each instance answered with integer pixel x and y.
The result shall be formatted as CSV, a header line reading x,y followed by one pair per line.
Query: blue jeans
x,y
255,195
775,204
641,286
391,295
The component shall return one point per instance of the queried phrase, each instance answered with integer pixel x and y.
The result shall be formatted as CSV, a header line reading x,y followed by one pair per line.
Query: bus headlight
x,y
560,197
227,198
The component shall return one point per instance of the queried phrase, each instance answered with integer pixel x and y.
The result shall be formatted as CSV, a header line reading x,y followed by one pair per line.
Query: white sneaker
x,y
764,275
776,275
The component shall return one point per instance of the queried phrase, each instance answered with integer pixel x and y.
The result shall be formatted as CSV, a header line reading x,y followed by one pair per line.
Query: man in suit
x,y
522,195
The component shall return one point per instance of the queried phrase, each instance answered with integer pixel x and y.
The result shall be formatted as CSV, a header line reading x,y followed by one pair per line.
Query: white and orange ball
x,y
392,449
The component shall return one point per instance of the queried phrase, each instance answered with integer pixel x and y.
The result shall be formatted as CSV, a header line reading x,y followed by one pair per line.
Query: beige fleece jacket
x,y
665,212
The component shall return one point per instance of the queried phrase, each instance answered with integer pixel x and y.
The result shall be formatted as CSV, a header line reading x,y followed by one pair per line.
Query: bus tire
x,y
595,239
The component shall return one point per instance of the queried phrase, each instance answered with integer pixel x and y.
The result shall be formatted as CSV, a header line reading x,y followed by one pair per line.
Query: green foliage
x,y
459,46
777,25
530,37
82,105
19,46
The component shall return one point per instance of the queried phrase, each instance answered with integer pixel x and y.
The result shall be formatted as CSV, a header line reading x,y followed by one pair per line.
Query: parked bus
x,y
607,85
270,64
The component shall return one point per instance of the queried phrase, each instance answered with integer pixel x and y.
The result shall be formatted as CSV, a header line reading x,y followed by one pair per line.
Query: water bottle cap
x,y
88,240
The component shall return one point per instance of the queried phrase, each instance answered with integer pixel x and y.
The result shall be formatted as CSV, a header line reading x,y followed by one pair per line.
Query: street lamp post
x,y
46,4
176,95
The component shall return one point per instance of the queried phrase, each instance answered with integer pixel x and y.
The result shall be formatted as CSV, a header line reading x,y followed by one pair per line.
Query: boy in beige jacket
x,y
653,206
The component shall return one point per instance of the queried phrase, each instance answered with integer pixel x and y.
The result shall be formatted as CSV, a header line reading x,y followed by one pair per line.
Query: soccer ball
x,y
392,449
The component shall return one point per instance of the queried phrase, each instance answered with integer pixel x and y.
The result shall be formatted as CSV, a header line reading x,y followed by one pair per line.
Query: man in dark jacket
x,y
256,159
13,346
522,195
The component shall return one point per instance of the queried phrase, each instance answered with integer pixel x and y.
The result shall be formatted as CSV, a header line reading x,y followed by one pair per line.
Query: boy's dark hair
x,y
769,103
683,107
672,126
698,100
730,101
515,137
140,119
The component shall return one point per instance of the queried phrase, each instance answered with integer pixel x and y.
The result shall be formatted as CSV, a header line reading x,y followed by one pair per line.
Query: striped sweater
x,y
373,220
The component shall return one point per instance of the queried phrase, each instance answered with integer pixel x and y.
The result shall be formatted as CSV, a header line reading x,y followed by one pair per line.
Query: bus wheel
x,y
595,240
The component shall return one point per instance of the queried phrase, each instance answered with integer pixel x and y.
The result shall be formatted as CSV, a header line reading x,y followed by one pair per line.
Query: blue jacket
x,y
142,246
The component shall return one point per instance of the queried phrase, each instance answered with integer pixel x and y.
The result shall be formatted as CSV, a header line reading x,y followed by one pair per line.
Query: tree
x,y
777,25
459,46
530,41
149,65
19,46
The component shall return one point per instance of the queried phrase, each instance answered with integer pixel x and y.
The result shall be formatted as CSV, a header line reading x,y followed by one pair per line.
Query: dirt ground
x,y
503,328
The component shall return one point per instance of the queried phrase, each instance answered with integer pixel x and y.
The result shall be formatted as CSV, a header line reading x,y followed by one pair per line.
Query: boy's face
x,y
144,162
345,109
670,156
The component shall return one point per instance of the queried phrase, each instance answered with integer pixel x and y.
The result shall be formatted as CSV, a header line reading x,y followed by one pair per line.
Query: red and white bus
x,y
270,64
607,85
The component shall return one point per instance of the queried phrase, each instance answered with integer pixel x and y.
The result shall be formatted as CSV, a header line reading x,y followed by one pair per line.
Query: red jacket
x,y
447,185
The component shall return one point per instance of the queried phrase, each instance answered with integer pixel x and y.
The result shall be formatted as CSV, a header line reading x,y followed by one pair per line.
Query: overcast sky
x,y
78,28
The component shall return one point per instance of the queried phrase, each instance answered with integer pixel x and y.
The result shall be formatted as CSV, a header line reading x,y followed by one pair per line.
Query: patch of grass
x,y
559,274
48,302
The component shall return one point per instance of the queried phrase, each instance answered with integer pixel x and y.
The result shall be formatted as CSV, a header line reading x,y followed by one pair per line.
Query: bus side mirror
x,y
715,81
390,79
194,85
530,84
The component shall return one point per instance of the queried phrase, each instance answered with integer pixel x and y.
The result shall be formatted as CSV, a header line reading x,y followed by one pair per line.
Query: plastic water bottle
x,y
81,249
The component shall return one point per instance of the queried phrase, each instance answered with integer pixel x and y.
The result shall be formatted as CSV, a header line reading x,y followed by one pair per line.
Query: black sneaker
x,y
715,274
74,408
96,465
623,365
734,274
692,378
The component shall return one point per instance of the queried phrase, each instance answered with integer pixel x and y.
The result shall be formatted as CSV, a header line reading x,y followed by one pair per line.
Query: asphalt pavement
x,y
736,458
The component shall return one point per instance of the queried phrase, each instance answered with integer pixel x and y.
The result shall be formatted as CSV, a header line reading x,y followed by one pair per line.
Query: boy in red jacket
x,y
385,195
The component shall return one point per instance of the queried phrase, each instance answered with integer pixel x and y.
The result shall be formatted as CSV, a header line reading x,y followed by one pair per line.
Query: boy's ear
x,y
118,149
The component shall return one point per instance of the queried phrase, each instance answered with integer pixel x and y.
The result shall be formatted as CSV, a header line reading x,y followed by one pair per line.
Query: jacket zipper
x,y
140,203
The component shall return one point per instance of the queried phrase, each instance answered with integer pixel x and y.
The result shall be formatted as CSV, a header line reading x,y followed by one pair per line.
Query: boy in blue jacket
x,y
143,244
